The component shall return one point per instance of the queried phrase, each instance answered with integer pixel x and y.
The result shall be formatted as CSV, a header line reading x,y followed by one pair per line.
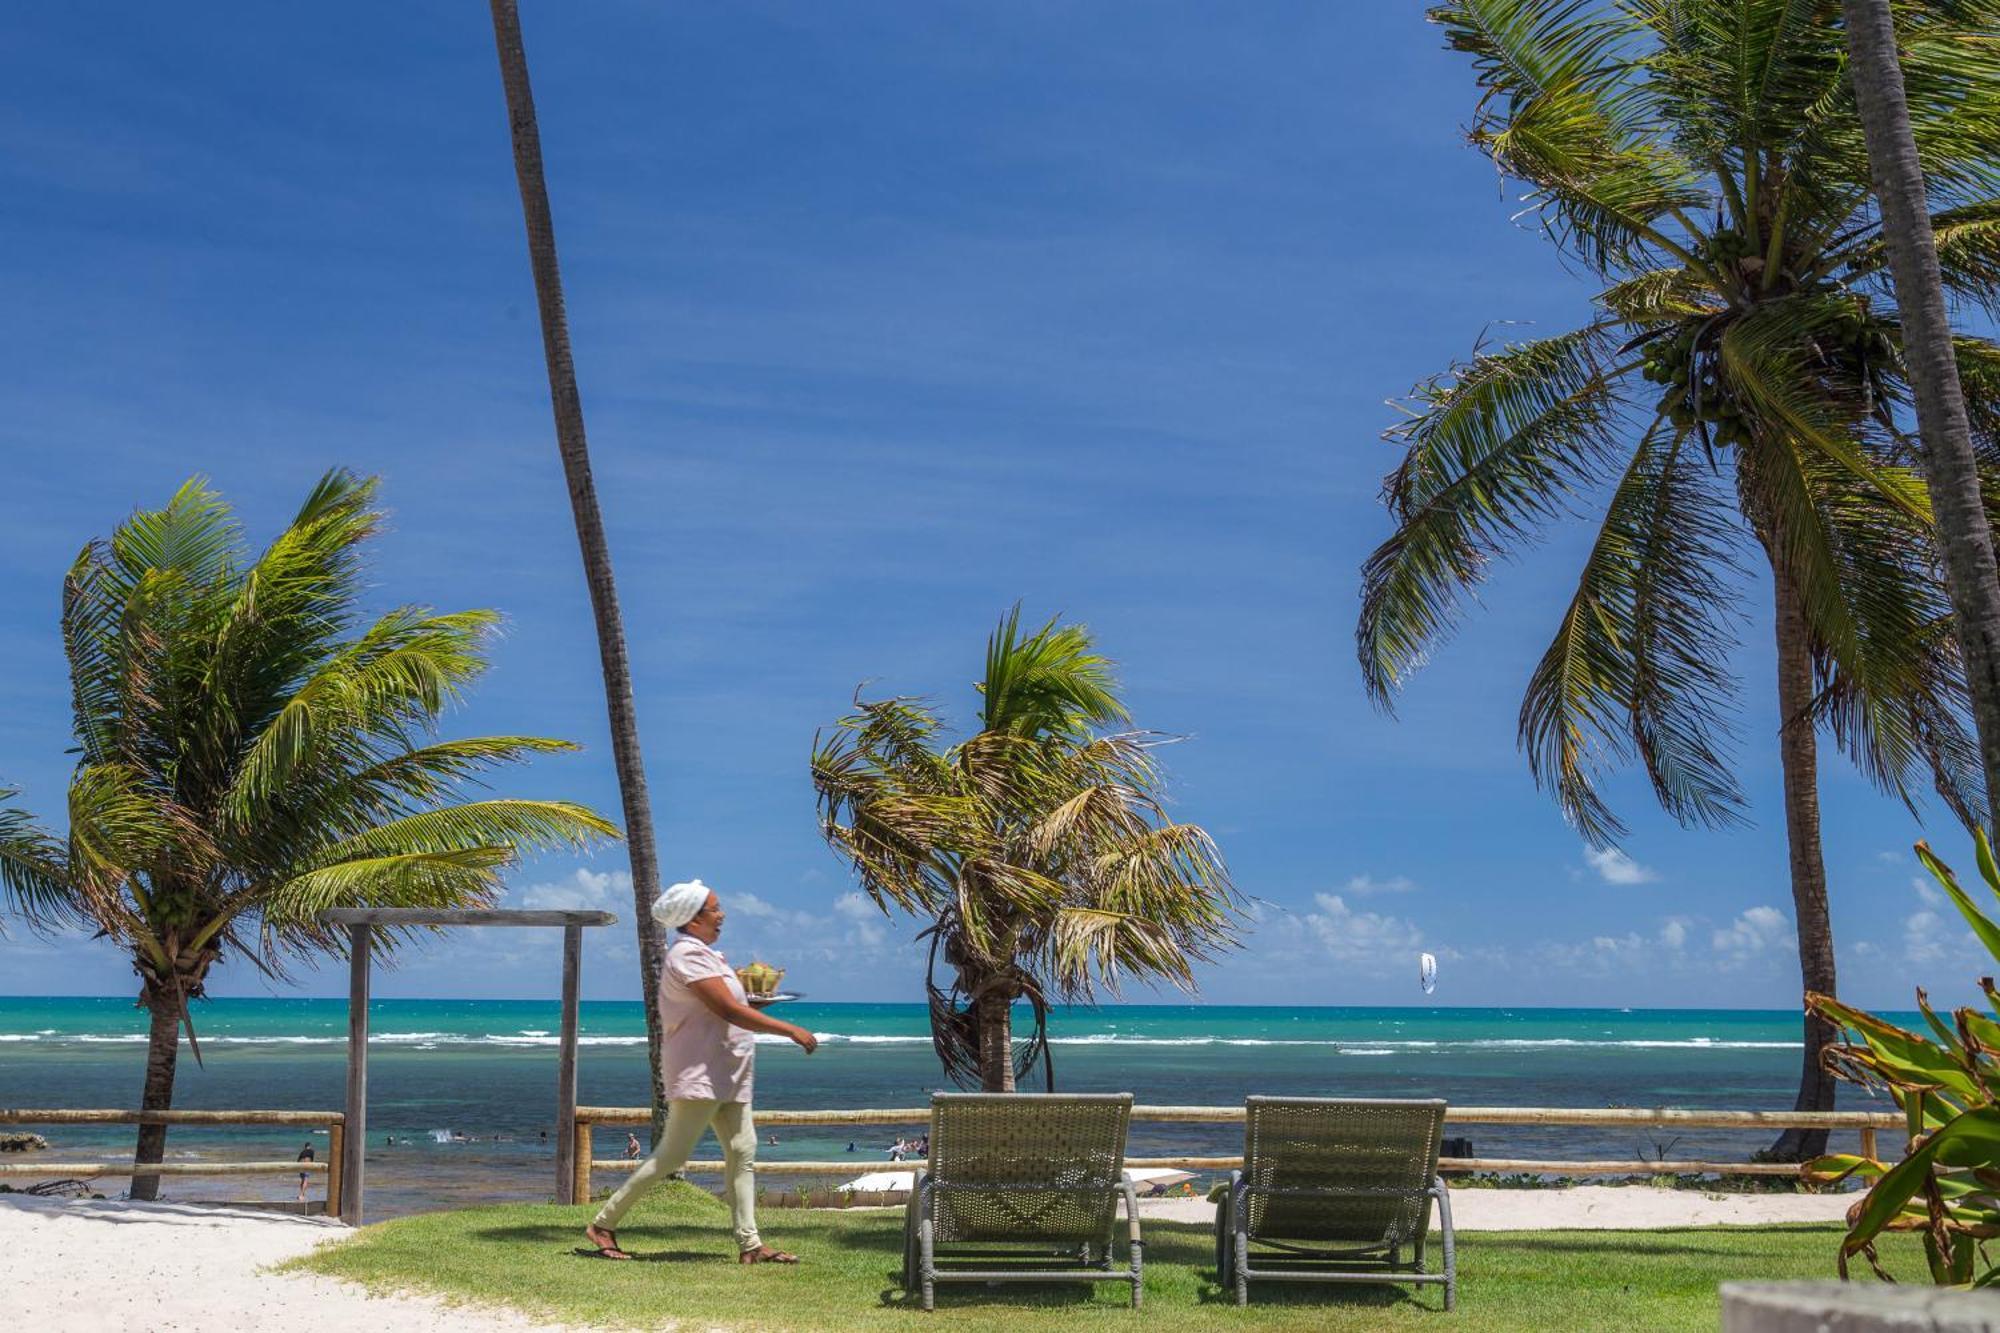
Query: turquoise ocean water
x,y
486,1069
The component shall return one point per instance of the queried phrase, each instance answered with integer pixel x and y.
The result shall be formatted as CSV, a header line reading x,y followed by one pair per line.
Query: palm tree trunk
x,y
570,441
163,1044
1951,472
996,1040
1798,749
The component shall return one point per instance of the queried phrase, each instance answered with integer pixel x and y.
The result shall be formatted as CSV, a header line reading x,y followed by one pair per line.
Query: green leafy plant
x,y
1948,1086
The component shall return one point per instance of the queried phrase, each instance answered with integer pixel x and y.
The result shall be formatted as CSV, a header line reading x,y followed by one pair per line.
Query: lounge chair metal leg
x,y
926,1247
1242,1267
1225,1243
1443,1196
1138,1273
1239,1240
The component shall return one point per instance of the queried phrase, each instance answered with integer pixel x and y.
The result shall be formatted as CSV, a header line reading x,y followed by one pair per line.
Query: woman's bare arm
x,y
715,994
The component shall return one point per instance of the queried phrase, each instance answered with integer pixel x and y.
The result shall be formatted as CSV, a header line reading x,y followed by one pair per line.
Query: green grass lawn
x,y
522,1255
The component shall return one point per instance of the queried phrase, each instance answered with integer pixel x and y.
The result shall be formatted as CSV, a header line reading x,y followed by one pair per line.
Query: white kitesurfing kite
x,y
1427,972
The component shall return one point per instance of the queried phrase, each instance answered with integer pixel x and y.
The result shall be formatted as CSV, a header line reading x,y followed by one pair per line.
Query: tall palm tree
x,y
252,752
622,713
1742,377
1948,460
1037,848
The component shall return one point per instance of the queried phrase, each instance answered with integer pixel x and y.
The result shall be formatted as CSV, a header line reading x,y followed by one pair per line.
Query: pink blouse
x,y
706,1058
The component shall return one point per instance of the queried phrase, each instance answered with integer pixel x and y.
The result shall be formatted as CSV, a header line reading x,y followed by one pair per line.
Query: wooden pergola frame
x,y
361,924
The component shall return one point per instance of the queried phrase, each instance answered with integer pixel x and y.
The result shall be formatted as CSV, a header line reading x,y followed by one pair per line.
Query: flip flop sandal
x,y
766,1255
611,1251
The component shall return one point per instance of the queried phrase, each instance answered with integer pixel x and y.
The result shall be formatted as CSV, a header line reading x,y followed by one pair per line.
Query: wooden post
x,y
353,1161
582,1151
336,1165
566,1070
1868,1143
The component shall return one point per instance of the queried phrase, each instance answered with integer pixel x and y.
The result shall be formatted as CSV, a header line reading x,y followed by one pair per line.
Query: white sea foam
x,y
1345,1046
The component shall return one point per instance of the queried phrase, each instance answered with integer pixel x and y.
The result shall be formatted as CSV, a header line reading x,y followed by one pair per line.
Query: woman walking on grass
x,y
709,1052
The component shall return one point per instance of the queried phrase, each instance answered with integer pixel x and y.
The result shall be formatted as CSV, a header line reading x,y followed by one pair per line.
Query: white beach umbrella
x,y
1151,1179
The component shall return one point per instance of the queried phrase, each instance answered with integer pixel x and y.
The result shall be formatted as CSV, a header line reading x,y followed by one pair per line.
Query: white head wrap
x,y
680,903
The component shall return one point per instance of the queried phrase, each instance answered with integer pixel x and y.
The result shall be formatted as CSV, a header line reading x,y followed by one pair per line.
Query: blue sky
x,y
886,316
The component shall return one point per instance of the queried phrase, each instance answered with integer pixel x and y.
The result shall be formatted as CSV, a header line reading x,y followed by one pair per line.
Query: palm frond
x,y
460,877
1770,357
1660,296
1968,249
1639,663
1562,111
516,826
397,676
1051,681
1493,451
34,875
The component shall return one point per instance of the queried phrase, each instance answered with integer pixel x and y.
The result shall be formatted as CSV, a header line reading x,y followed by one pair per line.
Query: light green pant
x,y
686,1122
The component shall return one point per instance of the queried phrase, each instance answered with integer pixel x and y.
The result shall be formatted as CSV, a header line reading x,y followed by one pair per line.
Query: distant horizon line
x,y
1197,1004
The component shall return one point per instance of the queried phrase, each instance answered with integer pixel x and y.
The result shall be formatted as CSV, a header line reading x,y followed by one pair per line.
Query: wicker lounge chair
x,y
1335,1190
1021,1187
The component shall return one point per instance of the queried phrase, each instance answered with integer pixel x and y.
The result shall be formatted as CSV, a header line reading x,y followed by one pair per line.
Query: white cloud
x,y
1927,890
856,906
584,891
1923,940
1671,946
866,925
1362,886
749,904
1758,929
1369,941
1614,867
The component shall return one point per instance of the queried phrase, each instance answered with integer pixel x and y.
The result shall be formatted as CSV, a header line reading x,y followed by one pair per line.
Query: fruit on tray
x,y
760,978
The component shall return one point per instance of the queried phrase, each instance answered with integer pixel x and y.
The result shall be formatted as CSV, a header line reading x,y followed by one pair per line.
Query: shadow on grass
x,y
564,1238
1582,1243
1330,1295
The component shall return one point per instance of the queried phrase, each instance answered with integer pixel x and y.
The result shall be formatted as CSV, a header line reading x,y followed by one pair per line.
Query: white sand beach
x,y
163,1266
111,1265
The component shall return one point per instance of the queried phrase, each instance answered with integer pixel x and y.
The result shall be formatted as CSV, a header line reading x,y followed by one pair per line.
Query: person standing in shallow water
x,y
709,1049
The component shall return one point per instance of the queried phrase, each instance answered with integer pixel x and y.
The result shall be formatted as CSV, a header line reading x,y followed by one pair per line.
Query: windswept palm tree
x,y
1740,389
621,711
1037,848
1949,462
252,752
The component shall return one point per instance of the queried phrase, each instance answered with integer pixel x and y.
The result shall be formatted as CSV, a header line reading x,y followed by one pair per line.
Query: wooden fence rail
x,y
331,1168
1468,1115
57,1170
15,1116
1866,1123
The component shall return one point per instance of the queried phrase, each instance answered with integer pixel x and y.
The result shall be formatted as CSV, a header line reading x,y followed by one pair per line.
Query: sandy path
x,y
1592,1207
140,1266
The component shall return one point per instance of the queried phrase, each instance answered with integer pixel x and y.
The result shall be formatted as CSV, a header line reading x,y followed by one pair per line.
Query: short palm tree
x,y
251,752
1037,848
1742,377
